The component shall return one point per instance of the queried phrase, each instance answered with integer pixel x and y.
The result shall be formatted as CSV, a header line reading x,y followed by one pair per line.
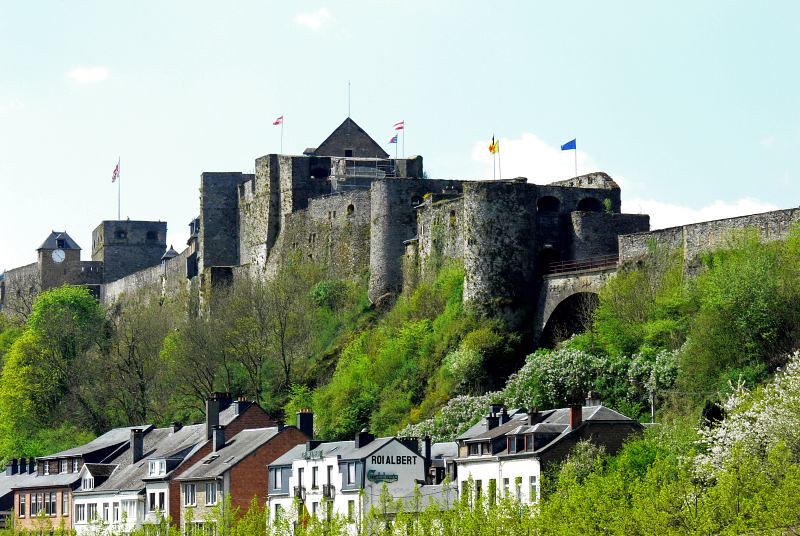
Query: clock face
x,y
58,255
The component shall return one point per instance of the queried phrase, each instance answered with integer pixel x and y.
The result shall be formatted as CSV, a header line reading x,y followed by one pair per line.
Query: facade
x,y
346,478
505,453
43,496
235,467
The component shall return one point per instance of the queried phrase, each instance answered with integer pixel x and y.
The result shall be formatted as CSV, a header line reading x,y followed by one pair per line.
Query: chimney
x,y
280,426
363,438
593,399
176,426
212,413
137,445
492,421
534,417
575,415
426,445
504,418
23,466
32,465
11,468
219,437
305,422
241,405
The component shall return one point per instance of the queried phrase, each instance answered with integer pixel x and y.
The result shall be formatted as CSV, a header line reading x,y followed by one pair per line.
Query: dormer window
x,y
157,467
60,243
46,467
64,466
75,465
87,483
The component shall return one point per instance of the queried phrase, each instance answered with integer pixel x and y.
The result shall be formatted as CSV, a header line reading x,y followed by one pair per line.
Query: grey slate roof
x,y
115,436
9,482
51,241
447,449
159,443
344,450
235,450
554,421
169,254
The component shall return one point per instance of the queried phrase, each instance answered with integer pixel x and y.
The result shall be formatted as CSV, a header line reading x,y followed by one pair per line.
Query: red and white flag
x,y
278,121
400,126
115,175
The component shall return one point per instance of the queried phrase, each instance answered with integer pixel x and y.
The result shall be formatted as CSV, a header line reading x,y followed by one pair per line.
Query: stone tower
x,y
127,246
59,258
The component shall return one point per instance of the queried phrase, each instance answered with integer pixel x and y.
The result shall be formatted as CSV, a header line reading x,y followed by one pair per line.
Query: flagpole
x,y
404,138
499,162
119,190
282,120
576,159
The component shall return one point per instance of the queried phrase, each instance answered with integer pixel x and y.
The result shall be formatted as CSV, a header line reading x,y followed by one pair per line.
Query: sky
x,y
692,106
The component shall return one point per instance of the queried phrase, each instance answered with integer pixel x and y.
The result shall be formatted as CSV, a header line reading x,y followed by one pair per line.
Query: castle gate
x,y
568,296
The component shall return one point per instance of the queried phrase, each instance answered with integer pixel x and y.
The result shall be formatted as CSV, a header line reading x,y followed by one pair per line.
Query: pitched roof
x,y
344,450
114,437
51,242
235,450
347,129
169,254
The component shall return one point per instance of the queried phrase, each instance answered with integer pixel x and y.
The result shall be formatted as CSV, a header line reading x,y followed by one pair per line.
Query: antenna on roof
x,y
348,98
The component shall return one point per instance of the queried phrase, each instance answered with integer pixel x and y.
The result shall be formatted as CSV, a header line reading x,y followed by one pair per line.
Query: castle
x,y
349,206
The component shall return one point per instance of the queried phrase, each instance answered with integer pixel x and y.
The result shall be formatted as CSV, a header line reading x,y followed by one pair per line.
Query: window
x,y
91,512
152,235
278,511
161,500
211,493
75,465
300,473
351,510
60,243
474,449
80,513
64,503
157,467
50,502
330,474
152,506
37,503
350,210
277,476
351,473
105,512
88,482
46,467
478,491
162,467
534,495
21,505
64,466
314,506
348,153
116,512
314,477
189,495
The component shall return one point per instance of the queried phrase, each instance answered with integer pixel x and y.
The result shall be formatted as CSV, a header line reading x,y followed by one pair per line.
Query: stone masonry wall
x,y
699,238
594,234
440,231
499,254
169,278
219,221
333,230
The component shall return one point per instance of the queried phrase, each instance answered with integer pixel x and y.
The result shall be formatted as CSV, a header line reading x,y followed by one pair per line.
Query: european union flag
x,y
569,145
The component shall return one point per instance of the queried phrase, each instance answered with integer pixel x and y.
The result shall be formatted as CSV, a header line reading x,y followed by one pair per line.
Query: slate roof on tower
x,y
349,136
52,241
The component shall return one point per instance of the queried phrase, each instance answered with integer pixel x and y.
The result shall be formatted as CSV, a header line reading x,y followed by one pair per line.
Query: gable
x,y
350,136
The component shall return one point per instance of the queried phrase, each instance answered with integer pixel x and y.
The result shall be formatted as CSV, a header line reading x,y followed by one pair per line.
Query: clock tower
x,y
59,259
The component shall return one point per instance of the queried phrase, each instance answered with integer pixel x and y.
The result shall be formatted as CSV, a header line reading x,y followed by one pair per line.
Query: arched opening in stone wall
x,y
547,256
548,203
452,218
590,204
350,209
573,315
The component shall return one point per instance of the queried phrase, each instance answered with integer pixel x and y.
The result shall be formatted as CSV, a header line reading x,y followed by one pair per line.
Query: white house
x,y
345,478
504,453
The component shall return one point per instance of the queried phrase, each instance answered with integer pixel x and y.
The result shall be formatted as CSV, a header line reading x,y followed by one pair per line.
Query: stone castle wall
x,y
167,278
698,238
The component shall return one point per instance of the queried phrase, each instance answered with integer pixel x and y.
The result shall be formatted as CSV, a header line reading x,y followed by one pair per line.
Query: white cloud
x,y
313,20
87,75
530,156
768,142
11,107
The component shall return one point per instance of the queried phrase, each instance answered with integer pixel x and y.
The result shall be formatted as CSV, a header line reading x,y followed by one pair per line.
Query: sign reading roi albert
x,y
389,459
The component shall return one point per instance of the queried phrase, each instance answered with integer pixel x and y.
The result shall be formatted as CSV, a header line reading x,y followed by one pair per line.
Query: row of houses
x,y
137,476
